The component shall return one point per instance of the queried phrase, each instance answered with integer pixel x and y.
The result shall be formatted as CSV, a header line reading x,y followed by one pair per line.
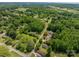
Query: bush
x,y
11,33
36,26
26,43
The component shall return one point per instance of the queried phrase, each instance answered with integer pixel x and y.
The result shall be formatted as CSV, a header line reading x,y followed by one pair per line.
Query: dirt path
x,y
14,50
33,51
42,33
45,29
11,48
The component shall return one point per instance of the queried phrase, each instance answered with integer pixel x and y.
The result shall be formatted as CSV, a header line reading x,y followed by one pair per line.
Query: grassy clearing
x,y
13,54
4,52
53,54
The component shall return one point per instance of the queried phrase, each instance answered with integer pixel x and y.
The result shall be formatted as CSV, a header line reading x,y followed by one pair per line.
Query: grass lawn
x,y
53,54
4,52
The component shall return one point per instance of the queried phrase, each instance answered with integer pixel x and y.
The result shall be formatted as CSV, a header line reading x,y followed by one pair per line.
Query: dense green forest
x,y
46,31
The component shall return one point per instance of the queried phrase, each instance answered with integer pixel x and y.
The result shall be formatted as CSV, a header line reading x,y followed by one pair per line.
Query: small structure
x,y
45,46
48,35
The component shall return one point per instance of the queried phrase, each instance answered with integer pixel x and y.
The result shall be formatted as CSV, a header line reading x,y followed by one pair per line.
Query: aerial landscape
x,y
39,29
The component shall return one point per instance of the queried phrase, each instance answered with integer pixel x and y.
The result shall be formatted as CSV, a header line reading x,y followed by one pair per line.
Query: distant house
x,y
48,35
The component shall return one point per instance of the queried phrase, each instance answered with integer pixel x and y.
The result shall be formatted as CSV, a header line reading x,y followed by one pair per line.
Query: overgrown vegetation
x,y
23,25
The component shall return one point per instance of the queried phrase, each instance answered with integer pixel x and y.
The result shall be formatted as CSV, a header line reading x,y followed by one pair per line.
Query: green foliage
x,y
11,33
49,51
23,28
36,26
63,43
26,43
4,52
8,40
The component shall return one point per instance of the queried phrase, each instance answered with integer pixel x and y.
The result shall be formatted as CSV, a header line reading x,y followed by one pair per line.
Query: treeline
x,y
24,25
